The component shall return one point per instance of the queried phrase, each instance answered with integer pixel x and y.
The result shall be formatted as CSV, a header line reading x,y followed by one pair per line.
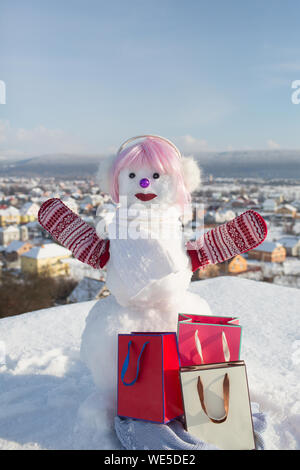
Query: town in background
x,y
36,272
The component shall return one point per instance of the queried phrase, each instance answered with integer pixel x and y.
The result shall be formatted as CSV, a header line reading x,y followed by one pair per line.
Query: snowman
x,y
148,262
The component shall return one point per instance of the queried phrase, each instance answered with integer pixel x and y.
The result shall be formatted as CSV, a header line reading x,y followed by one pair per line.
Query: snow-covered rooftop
x,y
49,250
10,228
14,246
288,242
9,211
29,208
288,207
267,246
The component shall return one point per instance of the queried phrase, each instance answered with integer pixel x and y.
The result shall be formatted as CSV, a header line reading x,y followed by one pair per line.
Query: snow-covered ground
x,y
46,390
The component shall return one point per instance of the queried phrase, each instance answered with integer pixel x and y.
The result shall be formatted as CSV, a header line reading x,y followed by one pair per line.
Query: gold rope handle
x,y
226,351
225,397
148,135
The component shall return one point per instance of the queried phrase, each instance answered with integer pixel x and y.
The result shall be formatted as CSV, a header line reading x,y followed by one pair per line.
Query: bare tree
x,y
21,295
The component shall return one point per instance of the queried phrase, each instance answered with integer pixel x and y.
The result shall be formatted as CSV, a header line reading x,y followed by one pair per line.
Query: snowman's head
x,y
150,172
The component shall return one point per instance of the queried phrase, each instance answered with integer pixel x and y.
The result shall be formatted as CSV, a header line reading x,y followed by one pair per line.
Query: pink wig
x,y
158,154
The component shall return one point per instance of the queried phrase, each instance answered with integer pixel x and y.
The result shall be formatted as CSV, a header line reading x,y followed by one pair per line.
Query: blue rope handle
x,y
126,364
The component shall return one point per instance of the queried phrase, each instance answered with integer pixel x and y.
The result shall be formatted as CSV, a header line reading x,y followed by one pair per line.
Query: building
x,y
240,202
8,216
46,259
224,215
291,245
268,251
23,233
34,229
236,265
29,212
12,233
16,249
9,234
92,199
270,205
287,210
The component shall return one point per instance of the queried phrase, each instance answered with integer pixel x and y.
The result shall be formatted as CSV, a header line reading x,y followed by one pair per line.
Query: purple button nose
x,y
144,183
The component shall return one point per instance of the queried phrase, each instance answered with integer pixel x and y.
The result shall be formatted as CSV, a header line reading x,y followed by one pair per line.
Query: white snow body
x,y
148,263
148,278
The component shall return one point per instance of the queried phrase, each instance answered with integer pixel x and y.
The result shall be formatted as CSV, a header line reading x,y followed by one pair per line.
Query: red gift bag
x,y
208,339
148,377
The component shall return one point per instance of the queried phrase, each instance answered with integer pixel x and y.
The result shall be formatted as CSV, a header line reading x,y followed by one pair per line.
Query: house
x,y
270,205
216,195
9,234
29,212
34,229
16,249
23,233
209,219
88,289
36,192
45,259
286,210
268,251
296,202
10,215
86,208
224,215
92,199
291,245
236,265
217,216
296,228
241,201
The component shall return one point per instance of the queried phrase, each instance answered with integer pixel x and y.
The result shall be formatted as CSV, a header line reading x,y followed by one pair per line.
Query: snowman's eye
x,y
155,176
131,175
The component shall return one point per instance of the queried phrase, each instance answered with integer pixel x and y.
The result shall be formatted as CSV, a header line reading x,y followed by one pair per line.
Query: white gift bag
x,y
217,405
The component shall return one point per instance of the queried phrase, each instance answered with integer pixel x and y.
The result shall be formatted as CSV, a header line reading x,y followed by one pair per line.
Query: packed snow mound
x,y
48,398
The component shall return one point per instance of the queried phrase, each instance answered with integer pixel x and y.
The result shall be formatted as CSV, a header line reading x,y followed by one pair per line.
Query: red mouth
x,y
145,197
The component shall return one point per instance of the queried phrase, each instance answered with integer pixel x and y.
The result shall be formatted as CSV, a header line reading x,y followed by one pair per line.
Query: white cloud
x,y
189,144
36,141
272,144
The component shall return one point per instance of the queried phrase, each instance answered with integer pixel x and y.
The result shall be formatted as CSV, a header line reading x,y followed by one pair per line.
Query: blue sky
x,y
84,75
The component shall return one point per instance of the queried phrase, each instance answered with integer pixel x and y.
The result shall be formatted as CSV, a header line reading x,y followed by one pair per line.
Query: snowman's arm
x,y
68,229
241,234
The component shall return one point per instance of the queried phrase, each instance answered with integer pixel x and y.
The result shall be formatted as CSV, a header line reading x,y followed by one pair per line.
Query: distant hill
x,y
58,165
250,163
